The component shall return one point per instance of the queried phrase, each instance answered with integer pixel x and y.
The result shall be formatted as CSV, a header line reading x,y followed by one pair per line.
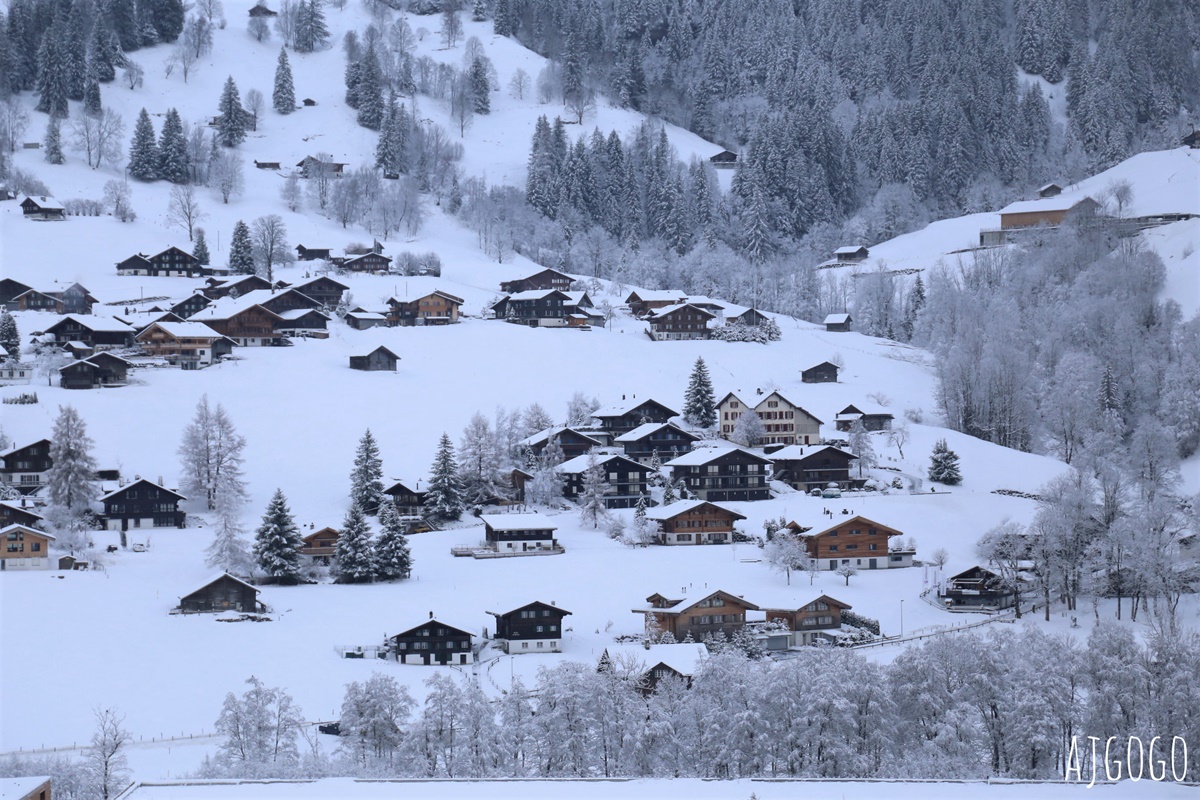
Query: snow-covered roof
x,y
187,330
218,576
16,525
687,599
375,315
837,523
837,319
75,344
575,298
300,286
682,507
135,482
641,431
549,433
579,464
94,323
19,507
869,409
658,295
625,406
17,447
228,307
795,452
849,249
682,657
16,788
47,203
534,294
518,522
1062,202
299,313
666,310
703,455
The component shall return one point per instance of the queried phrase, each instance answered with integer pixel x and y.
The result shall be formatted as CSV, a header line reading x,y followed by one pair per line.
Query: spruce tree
x,y
480,87
75,50
366,480
283,100
143,150
70,479
53,144
699,402
392,556
444,496
200,251
52,74
173,160
93,106
104,50
943,465
232,128
10,337
369,91
167,17
311,31
124,23
353,556
277,542
591,496
387,151
241,251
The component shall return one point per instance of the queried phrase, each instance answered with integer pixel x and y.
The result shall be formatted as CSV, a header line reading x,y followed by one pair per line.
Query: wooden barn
x,y
43,209
838,323
378,360
223,592
825,372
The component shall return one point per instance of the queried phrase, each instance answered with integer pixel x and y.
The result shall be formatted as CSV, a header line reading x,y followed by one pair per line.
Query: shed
x,y
825,372
43,208
377,360
1050,190
223,592
838,323
726,159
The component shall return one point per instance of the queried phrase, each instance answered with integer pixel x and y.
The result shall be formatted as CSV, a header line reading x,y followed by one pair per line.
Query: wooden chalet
x,y
76,299
750,317
545,308
517,479
625,480
784,420
666,439
873,417
324,290
1192,140
838,323
538,281
722,473
261,10
170,263
221,593
309,102
435,308
100,333
19,512
519,533
432,642
625,416
189,345
378,360
652,664
187,307
533,628
249,325
694,522
142,504
367,262
303,321
809,469
977,587
857,542
311,164
409,502
140,320
1049,212
43,209
33,300
573,442
726,159
1049,190
361,320
851,254
216,288
811,622
679,322
272,165
95,371
320,546
700,615
825,372
10,290
25,548
642,301
313,253
24,467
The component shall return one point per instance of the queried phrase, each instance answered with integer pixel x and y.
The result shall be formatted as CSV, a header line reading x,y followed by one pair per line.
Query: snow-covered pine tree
x,y
93,106
143,150
104,51
312,33
173,160
481,88
10,337
211,454
70,479
52,72
943,464
387,151
231,130
444,496
354,559
277,542
669,495
655,476
241,250
859,442
200,251
283,99
479,10
168,18
366,480
53,144
229,550
591,496
370,91
699,402
393,559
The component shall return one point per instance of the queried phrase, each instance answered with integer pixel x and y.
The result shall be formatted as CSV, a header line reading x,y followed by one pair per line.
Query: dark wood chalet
x,y
360,319
10,290
187,307
838,323
275,165
409,502
319,546
726,159
1192,140
100,333
573,442
24,467
367,262
378,360
43,209
33,300
655,663
825,372
188,345
716,473
323,289
679,322
625,480
297,320
666,439
535,308
436,308
717,613
857,542
1050,190
311,164
261,10
538,281
100,369
76,299
216,288
142,504
623,417
977,587
851,254
873,419
432,642
249,327
642,301
222,593
312,253
175,262
813,468
533,628
812,621
751,317
19,512
519,533
694,522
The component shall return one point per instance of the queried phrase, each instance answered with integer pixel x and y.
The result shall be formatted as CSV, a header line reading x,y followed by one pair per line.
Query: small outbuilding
x,y
838,323
825,372
378,360
223,592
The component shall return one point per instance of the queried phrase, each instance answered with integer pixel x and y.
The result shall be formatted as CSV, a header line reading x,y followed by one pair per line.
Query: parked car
x,y
138,547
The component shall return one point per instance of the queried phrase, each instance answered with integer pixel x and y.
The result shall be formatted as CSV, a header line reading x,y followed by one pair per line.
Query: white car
x,y
138,547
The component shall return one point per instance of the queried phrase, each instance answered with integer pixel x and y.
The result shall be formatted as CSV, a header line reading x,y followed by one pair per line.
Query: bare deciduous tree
x,y
14,120
117,198
255,103
518,84
259,29
184,208
108,768
98,138
269,237
133,73
225,175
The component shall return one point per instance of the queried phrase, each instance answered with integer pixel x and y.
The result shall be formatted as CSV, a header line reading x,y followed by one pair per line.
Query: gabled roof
x,y
432,621
644,430
579,464
22,509
662,513
183,330
837,319
229,307
44,203
549,433
322,532
656,296
666,311
831,601
850,249
626,406
534,604
703,455
18,448
216,577
856,410
349,259
320,278
790,401
138,482
16,526
367,315
94,323
539,272
399,484
518,522
799,452
293,314
822,364
533,295
842,522
1062,202
384,349
687,602
681,657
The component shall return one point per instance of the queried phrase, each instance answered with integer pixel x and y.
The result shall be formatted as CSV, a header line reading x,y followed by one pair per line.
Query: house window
x,y
833,548
524,645
872,546
541,645
35,547
851,547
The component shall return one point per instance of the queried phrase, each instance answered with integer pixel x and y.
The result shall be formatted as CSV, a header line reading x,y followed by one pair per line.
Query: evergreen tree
x,y
312,33
669,495
10,337
70,479
284,97
143,150
366,481
52,74
167,17
232,128
241,251
392,556
502,18
480,87
229,550
699,402
370,91
591,496
277,542
104,51
75,50
93,106
943,465
444,496
389,151
352,79
200,251
53,143
173,161
353,556
124,24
